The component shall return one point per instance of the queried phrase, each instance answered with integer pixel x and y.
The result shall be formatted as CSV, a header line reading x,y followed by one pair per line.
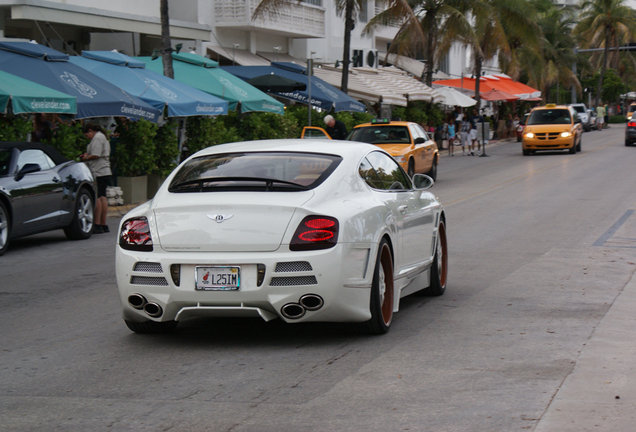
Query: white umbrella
x,y
452,97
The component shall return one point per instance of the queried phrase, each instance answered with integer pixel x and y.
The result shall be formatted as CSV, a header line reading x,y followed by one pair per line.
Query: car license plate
x,y
217,278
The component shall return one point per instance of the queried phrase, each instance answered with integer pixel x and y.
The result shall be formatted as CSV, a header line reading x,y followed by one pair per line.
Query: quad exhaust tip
x,y
311,302
137,301
292,311
153,309
308,302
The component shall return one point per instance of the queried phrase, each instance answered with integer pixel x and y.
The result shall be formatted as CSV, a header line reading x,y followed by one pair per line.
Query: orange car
x,y
407,142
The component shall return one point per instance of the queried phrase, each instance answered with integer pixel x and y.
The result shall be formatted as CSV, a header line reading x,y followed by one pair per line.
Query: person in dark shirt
x,y
335,128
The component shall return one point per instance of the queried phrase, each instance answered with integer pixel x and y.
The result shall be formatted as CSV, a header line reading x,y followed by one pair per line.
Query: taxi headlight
x,y
566,134
400,159
530,135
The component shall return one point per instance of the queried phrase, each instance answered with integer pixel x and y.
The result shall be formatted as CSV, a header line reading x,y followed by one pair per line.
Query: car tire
x,y
578,146
381,303
525,152
5,228
411,168
81,227
627,143
439,271
433,171
151,327
573,149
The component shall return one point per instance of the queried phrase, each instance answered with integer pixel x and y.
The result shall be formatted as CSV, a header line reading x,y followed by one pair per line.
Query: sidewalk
x,y
491,143
600,393
119,211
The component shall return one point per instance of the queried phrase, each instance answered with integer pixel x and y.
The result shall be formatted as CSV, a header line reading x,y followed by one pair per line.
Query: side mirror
x,y
578,120
419,140
422,181
27,169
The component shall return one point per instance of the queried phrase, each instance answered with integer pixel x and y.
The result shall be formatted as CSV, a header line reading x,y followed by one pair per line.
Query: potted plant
x,y
133,158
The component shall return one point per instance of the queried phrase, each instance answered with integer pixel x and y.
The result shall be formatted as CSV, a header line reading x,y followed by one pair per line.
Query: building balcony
x,y
301,20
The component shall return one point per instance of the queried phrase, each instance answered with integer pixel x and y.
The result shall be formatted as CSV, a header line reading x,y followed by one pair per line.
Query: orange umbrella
x,y
498,95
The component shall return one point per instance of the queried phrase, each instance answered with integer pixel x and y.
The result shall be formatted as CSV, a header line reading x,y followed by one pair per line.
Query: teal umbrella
x,y
29,97
205,74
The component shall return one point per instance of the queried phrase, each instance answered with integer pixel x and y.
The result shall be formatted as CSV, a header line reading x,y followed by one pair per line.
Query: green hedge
x,y
617,119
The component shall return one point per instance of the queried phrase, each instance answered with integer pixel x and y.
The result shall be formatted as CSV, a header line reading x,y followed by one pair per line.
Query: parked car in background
x,y
630,132
40,190
592,118
630,110
581,111
521,127
301,230
552,127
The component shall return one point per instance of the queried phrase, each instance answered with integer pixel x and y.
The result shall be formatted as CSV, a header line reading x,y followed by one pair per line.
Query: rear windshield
x,y
381,135
549,116
632,108
579,108
259,171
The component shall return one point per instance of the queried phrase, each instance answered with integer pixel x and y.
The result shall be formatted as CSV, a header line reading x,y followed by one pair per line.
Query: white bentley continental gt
x,y
301,230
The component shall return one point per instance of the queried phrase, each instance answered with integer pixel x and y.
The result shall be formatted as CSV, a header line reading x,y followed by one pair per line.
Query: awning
x,y
95,96
323,95
29,97
238,56
155,89
415,67
387,85
490,82
498,95
205,75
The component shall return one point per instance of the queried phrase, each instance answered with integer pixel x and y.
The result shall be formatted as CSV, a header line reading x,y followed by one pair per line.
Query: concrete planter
x,y
154,182
135,189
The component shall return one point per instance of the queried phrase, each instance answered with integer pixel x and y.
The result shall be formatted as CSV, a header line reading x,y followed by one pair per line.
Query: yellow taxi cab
x,y
552,127
407,142
630,110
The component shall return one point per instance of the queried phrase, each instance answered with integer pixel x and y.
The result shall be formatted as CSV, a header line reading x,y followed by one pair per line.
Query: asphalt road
x,y
540,249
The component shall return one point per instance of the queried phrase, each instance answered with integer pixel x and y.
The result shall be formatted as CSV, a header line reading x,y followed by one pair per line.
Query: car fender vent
x,y
293,281
145,280
293,266
148,267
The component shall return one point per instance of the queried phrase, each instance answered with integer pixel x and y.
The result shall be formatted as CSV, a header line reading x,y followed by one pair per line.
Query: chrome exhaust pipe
x,y
137,301
153,309
292,311
311,302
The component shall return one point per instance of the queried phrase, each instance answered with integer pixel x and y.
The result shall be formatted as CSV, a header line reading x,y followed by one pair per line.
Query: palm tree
x,y
605,24
166,47
350,8
558,53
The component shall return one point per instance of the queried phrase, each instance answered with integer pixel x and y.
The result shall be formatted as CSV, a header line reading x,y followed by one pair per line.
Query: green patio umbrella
x,y
205,74
29,97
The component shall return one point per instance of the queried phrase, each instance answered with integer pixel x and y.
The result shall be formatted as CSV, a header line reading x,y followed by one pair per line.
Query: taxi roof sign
x,y
382,120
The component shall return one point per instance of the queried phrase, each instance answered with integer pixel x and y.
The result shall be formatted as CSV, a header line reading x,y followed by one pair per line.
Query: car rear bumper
x,y
340,277
630,135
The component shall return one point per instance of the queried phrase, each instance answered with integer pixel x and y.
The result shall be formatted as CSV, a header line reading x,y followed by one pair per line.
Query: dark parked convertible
x,y
40,190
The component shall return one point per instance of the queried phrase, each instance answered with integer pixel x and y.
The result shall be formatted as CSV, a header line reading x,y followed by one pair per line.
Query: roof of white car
x,y
342,148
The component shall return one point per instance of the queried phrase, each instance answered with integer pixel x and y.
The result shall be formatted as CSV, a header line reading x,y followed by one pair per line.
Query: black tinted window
x,y
549,116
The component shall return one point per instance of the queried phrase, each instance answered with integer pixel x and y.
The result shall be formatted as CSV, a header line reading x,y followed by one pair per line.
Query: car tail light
x,y
631,124
135,235
315,232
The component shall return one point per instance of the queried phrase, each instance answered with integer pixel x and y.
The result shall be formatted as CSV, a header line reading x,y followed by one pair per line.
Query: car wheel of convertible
x,y
381,293
5,228
152,327
81,227
439,271
433,172
411,170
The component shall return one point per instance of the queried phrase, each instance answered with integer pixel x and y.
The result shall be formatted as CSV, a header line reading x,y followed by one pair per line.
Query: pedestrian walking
x,y
464,132
452,137
97,157
600,116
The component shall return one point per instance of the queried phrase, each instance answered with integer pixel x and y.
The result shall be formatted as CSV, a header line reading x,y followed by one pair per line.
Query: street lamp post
x,y
310,72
